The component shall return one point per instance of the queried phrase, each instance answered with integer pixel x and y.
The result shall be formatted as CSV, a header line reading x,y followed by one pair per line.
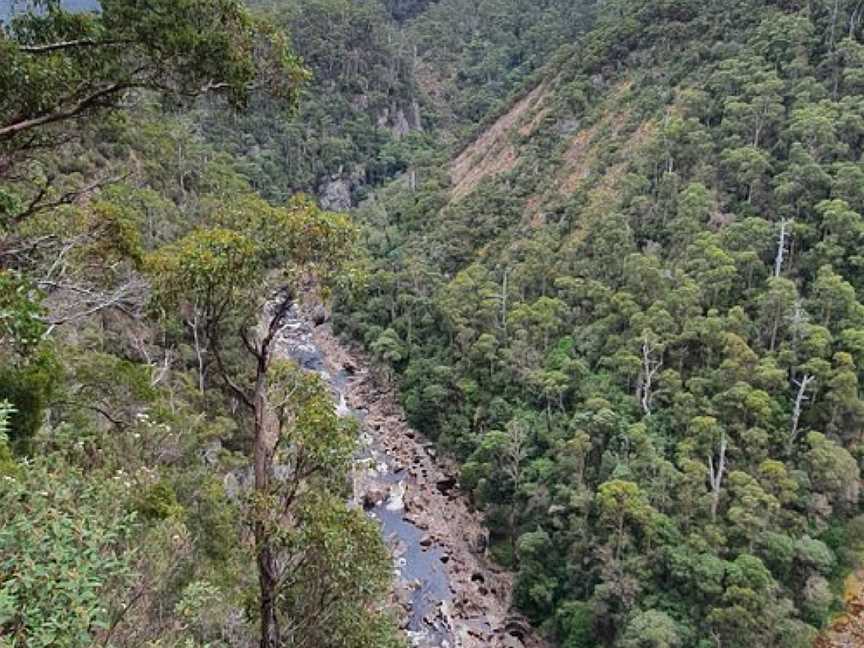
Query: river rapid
x,y
447,594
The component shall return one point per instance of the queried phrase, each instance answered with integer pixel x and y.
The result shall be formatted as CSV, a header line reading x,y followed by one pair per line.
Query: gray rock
x,y
210,453
400,127
481,543
232,486
335,194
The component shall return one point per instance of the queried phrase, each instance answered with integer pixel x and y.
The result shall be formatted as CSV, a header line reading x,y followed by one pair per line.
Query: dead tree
x,y
513,457
781,248
800,399
715,474
650,366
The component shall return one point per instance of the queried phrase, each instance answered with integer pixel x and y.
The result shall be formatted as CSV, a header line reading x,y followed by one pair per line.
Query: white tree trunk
x,y
781,249
800,399
715,474
650,367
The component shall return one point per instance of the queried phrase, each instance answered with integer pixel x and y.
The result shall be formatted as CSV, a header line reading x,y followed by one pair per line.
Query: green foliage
x,y
7,462
663,283
651,629
347,567
133,253
62,549
63,64
29,388
159,502
21,327
575,620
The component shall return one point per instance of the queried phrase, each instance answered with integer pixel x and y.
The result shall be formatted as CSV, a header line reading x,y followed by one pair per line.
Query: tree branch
x,y
76,109
36,205
71,44
226,377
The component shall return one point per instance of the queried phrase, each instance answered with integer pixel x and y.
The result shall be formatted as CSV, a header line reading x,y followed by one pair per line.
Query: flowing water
x,y
418,563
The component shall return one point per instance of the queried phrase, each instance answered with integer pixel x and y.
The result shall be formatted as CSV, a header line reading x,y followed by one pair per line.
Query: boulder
x,y
320,315
480,543
446,484
374,496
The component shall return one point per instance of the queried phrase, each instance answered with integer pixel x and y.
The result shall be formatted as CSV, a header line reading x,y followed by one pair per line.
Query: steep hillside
x,y
393,83
632,305
168,476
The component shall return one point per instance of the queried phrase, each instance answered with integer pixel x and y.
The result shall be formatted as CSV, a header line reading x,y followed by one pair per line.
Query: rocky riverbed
x,y
446,591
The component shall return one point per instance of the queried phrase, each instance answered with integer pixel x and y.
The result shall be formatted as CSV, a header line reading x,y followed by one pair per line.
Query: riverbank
x,y
847,630
478,610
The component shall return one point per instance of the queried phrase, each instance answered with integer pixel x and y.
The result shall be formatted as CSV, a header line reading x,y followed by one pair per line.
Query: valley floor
x,y
479,607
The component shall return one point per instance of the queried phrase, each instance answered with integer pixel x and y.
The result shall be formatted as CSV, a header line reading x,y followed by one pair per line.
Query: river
x,y
448,594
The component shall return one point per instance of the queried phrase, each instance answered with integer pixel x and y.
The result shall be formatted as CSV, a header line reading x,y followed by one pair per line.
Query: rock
x,y
518,628
210,453
426,541
232,486
375,496
509,641
557,509
398,122
320,315
335,194
446,484
397,497
401,127
480,543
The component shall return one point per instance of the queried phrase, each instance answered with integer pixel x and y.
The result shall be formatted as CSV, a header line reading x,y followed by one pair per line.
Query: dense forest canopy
x,y
609,253
143,408
632,306
389,95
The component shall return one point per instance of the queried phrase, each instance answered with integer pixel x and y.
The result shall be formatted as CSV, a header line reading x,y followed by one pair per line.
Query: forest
x,y
606,253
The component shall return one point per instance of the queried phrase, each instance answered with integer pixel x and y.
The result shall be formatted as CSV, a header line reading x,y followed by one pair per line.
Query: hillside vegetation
x,y
167,478
387,94
632,306
608,251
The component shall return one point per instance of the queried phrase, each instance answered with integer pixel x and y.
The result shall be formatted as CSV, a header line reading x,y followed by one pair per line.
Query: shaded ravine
x,y
448,594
